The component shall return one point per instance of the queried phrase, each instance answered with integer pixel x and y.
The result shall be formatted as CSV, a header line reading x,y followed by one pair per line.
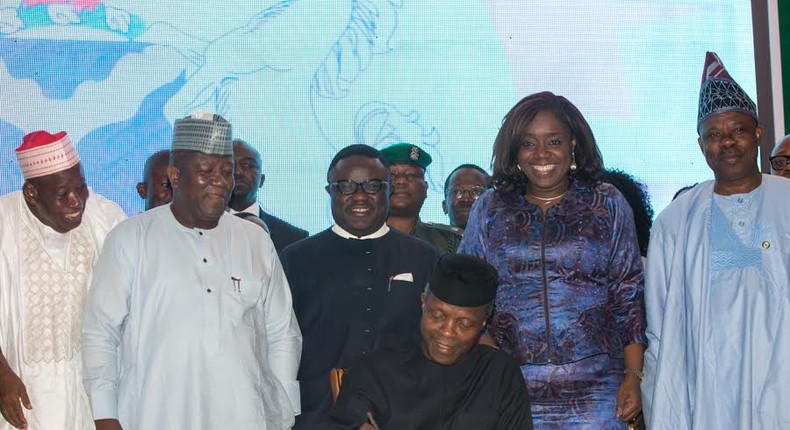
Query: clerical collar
x,y
253,209
346,235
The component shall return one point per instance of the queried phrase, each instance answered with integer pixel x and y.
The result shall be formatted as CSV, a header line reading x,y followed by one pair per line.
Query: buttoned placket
x,y
211,293
368,302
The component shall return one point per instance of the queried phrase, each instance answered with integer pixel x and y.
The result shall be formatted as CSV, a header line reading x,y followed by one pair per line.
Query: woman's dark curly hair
x,y
636,194
509,140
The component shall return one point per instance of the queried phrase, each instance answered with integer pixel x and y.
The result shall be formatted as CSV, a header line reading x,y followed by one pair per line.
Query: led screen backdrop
x,y
301,78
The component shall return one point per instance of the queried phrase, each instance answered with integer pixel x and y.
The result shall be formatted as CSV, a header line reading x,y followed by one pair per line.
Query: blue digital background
x,y
301,78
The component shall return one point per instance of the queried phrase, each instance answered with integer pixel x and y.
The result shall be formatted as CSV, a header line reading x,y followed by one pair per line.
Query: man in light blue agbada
x,y
717,287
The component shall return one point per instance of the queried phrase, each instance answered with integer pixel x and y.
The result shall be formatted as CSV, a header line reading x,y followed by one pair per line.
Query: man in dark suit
x,y
249,179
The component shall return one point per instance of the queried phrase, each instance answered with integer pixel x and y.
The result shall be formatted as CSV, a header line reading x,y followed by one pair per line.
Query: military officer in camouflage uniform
x,y
408,191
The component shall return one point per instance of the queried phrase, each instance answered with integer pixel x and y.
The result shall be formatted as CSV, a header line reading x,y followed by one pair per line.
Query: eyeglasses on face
x,y
779,162
474,192
370,186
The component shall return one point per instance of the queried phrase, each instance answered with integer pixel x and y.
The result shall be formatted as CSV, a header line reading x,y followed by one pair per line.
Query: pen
x,y
236,284
372,421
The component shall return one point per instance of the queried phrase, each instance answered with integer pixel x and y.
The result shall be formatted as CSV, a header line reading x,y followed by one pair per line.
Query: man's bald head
x,y
780,157
248,174
155,187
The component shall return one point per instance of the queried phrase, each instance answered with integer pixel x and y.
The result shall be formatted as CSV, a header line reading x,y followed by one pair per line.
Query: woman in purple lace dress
x,y
570,303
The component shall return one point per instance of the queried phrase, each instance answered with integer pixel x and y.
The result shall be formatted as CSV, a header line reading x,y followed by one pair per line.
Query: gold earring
x,y
573,161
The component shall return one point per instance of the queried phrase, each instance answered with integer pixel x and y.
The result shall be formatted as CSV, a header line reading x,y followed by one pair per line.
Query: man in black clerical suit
x,y
249,179
357,285
444,380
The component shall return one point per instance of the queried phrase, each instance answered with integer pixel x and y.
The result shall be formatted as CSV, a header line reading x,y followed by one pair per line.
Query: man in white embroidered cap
x,y
189,323
52,232
716,285
445,379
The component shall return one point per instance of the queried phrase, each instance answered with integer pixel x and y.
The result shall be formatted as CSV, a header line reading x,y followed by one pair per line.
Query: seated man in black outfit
x,y
445,379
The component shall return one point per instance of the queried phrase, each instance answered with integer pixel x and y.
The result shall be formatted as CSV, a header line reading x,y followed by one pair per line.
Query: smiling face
x,y
448,331
545,155
58,200
409,189
202,185
359,213
729,141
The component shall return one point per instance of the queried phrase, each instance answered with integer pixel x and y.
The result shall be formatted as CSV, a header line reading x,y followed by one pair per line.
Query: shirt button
x,y
200,233
367,330
367,309
369,269
741,223
208,290
370,289
205,261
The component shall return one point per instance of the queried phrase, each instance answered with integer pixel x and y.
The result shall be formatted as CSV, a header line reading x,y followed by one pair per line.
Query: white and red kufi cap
x,y
720,93
43,154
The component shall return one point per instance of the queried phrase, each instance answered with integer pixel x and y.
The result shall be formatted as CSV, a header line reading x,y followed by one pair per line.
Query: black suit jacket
x,y
282,233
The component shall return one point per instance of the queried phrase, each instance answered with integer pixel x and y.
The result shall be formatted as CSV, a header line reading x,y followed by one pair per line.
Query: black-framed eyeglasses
x,y
473,192
779,162
370,186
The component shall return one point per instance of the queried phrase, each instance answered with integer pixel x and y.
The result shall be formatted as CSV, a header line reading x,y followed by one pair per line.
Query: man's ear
x,y
174,176
444,206
262,180
699,142
142,190
30,193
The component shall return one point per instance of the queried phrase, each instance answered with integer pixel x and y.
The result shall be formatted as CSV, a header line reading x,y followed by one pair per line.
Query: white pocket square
x,y
408,277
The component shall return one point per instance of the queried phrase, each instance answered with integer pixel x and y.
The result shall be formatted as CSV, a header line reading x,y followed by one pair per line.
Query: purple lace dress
x,y
570,297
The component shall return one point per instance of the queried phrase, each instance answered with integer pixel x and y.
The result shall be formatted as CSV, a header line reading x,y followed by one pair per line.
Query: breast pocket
x,y
241,302
245,291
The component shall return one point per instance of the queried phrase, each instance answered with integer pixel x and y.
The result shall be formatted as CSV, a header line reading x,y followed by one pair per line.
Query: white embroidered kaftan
x,y
44,279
